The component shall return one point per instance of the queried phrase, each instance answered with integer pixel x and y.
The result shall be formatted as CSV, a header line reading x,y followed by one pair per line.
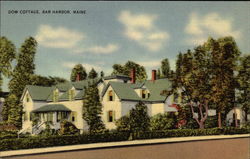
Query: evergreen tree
x,y
224,53
139,119
21,77
165,68
158,74
78,70
7,54
92,74
244,84
92,109
46,81
125,70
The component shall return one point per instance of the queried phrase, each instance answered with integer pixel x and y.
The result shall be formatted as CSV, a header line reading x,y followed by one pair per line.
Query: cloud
x,y
212,24
110,48
87,66
59,37
141,28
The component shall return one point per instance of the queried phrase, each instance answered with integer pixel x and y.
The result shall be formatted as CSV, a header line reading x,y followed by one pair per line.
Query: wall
x,y
114,106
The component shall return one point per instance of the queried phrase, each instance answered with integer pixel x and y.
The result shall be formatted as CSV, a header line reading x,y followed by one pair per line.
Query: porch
x,y
51,115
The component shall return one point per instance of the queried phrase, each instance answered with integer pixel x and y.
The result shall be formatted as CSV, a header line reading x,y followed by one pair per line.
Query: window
x,y
71,94
73,116
111,96
55,96
143,94
61,115
111,116
27,98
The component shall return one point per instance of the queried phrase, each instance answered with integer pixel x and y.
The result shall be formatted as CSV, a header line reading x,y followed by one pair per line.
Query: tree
x,y
14,115
224,53
139,119
20,78
46,81
92,74
78,70
165,68
25,67
158,74
125,70
92,109
7,54
163,121
243,79
193,76
136,121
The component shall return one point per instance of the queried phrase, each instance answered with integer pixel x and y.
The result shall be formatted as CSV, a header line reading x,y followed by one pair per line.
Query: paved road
x,y
211,149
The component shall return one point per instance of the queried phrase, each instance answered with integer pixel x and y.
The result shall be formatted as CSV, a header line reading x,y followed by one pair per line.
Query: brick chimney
x,y
132,75
153,75
77,77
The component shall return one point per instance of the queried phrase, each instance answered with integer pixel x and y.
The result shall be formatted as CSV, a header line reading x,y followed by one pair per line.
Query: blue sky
x,y
115,32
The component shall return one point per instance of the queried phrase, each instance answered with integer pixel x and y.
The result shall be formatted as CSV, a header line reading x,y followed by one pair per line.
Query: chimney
x,y
132,75
77,77
153,75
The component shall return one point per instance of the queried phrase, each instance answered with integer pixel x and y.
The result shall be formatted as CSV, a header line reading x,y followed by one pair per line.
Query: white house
x,y
118,95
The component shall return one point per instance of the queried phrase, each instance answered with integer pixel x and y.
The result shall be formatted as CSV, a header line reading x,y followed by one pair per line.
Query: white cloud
x,y
87,66
110,48
59,37
212,24
141,28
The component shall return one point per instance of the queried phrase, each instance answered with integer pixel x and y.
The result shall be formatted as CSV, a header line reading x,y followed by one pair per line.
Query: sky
x,y
115,32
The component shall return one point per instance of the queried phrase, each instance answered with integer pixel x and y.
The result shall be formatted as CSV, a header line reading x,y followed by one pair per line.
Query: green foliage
x,y
20,78
163,121
39,80
14,114
141,74
139,119
10,134
25,67
136,121
51,141
225,53
7,54
211,122
165,68
68,128
80,70
92,74
243,79
123,123
92,109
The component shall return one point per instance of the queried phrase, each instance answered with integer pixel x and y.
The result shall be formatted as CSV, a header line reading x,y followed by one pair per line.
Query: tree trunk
x,y
219,119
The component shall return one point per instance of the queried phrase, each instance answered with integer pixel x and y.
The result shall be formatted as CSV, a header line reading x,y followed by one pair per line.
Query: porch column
x,y
54,117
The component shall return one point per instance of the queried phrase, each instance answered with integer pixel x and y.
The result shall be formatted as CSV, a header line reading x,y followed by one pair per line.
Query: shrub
x,y
122,124
68,128
211,122
7,134
163,122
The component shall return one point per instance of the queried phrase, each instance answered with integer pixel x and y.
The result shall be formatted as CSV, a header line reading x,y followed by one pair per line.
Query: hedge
x,y
7,134
43,141
49,141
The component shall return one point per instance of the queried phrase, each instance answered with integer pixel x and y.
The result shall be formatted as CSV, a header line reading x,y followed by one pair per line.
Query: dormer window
x,y
71,94
27,98
143,94
111,96
55,96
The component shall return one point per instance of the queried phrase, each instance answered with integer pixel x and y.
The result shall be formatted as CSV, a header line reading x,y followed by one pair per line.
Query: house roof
x,y
39,92
46,93
117,77
52,108
126,91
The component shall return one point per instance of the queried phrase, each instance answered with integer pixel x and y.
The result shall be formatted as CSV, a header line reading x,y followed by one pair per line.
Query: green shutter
x,y
113,112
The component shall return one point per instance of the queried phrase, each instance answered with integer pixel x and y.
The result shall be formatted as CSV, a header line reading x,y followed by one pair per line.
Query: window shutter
x,y
107,116
113,116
